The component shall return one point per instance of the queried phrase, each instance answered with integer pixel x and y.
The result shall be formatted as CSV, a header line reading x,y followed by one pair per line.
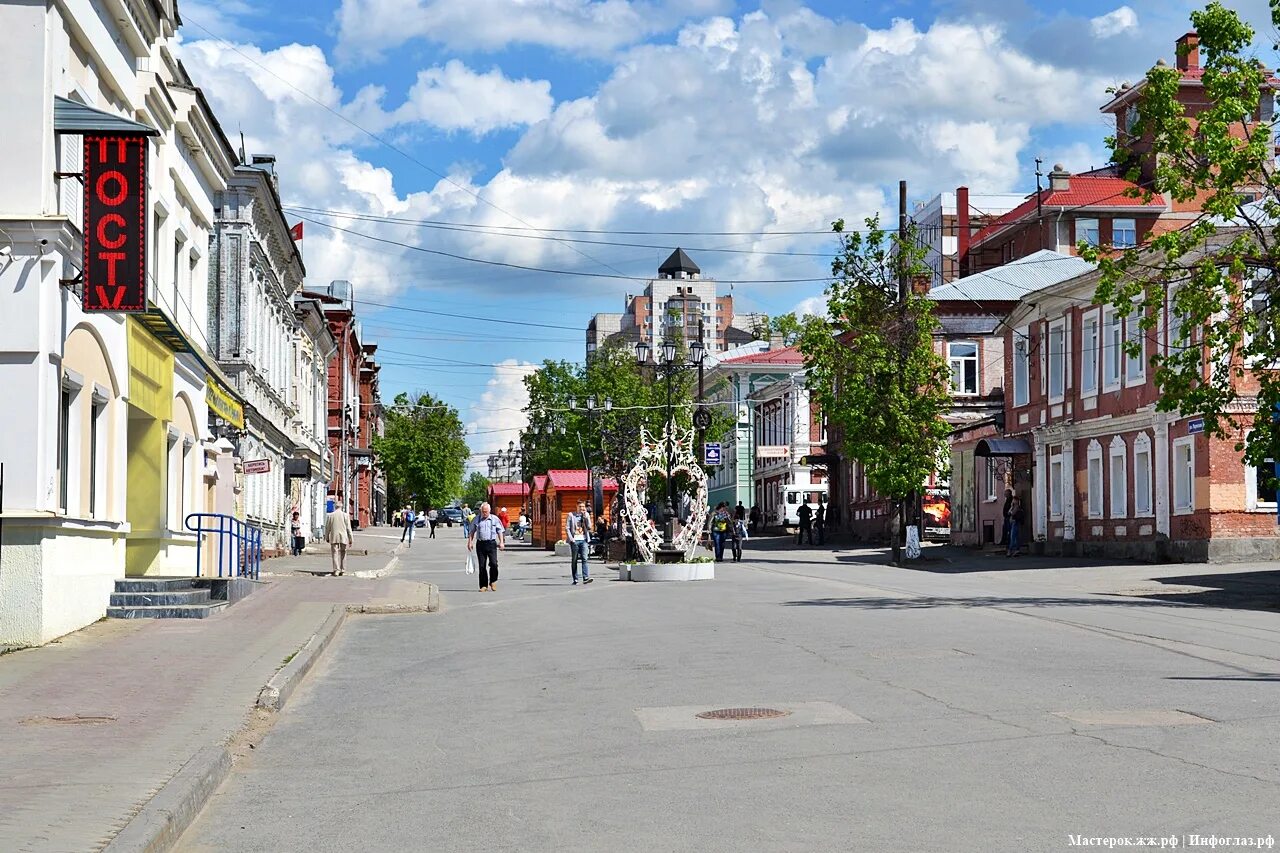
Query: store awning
x,y
1002,447
73,117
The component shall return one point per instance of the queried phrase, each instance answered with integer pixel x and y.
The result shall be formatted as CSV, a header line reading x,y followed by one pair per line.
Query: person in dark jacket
x,y
1004,514
805,514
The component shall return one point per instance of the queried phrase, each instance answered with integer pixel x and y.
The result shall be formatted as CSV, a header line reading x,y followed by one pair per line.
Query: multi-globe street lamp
x,y
667,364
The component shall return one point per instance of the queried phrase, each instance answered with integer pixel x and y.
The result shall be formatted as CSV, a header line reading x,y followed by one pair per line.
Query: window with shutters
x,y
70,190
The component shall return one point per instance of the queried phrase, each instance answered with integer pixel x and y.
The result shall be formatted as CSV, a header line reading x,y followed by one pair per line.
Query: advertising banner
x,y
115,223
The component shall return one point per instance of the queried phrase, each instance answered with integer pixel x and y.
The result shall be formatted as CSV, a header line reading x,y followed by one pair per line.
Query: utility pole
x,y
1039,205
904,279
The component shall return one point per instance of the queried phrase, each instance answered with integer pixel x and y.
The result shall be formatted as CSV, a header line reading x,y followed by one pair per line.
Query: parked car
x,y
450,515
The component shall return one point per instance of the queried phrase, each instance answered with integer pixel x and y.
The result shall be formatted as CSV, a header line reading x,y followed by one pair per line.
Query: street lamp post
x,y
669,367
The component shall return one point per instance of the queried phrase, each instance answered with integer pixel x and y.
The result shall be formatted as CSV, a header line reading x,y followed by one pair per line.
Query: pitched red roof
x,y
1103,191
786,355
539,482
577,479
518,489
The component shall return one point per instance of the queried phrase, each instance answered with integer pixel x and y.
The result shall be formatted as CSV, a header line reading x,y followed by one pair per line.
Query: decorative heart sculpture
x,y
652,459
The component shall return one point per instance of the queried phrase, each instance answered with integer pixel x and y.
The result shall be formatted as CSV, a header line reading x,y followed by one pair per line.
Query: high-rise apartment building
x,y
673,303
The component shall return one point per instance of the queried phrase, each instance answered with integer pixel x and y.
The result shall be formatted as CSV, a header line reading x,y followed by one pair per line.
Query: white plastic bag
x,y
471,564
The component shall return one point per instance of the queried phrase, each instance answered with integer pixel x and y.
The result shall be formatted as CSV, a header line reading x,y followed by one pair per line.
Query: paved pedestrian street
x,y
949,709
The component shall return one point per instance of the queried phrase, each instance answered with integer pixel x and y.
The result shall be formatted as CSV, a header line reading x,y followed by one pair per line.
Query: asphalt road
x,y
928,711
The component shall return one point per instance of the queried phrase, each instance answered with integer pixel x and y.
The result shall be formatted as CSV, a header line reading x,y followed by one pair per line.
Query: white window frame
x,y
1057,360
1090,337
173,483
69,439
1116,225
1112,329
1094,482
1021,366
1118,480
1143,499
963,360
1187,444
1134,367
97,463
991,481
1082,230
1056,484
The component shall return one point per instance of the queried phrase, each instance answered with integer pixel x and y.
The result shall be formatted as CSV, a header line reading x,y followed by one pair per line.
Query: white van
x,y
794,496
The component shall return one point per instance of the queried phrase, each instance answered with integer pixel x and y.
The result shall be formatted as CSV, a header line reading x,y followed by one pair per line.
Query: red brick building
x,y
354,409
1107,474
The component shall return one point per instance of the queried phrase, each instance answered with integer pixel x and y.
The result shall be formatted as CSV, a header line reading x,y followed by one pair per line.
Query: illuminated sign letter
x,y
115,223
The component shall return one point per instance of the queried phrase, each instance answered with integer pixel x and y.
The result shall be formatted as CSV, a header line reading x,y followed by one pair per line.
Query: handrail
x,y
239,544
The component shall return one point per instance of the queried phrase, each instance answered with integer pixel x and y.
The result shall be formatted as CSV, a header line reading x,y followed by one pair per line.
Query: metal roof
x,y
1014,280
983,325
73,117
678,262
1002,447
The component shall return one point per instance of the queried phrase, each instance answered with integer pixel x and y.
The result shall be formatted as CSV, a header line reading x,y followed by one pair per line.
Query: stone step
x,y
168,598
153,584
171,611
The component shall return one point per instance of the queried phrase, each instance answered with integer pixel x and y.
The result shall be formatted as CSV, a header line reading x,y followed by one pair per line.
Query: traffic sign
x,y
702,419
711,453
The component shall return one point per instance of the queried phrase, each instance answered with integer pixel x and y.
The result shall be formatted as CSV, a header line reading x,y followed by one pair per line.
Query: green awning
x,y
73,117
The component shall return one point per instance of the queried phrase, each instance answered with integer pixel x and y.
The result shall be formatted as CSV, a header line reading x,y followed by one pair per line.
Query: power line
x,y
376,138
530,268
481,230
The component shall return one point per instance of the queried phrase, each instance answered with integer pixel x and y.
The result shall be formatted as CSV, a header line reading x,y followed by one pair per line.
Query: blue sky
x,y
635,115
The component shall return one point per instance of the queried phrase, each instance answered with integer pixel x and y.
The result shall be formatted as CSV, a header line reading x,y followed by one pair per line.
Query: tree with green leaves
x,y
872,367
476,490
787,326
1211,284
422,449
562,430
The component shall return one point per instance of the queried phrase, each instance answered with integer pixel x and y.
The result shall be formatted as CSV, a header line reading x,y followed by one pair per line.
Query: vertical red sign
x,y
115,223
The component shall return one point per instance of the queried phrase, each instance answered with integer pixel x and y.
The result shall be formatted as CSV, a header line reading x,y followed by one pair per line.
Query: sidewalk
x,y
99,721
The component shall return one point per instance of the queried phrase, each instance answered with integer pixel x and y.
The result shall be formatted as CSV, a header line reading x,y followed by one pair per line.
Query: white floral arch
x,y
652,459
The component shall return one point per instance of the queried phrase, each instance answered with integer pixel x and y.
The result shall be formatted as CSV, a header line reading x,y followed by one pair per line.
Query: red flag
x,y
296,232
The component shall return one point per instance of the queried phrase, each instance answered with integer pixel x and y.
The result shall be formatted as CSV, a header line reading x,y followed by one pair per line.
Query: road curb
x,y
161,822
431,605
280,687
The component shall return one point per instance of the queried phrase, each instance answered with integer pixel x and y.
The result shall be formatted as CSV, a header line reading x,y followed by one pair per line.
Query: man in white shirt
x,y
486,537
578,535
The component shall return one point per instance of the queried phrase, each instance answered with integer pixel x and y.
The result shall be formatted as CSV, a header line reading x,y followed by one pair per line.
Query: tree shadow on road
x,y
1258,590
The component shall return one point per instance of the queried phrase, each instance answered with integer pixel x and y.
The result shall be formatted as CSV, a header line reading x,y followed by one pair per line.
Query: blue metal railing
x,y
238,546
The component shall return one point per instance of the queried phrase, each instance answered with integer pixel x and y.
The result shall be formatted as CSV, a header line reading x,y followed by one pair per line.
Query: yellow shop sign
x,y
222,404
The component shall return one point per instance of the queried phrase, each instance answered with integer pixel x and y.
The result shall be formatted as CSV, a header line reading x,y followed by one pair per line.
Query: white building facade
x,y
254,330
311,468
107,449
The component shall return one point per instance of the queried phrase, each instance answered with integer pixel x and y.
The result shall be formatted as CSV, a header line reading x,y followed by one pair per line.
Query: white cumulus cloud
x,y
497,417
454,97
368,28
1114,23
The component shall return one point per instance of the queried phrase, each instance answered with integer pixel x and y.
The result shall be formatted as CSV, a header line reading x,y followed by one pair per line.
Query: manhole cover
x,y
72,720
742,714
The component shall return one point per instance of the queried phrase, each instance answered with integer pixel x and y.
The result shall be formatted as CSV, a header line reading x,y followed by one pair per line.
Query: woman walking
x,y
721,522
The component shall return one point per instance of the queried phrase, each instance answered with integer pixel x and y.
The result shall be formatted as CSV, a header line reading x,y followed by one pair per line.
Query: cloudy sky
x,y
400,125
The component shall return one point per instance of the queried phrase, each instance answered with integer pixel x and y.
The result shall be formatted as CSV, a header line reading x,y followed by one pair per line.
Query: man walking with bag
x,y
487,539
578,535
